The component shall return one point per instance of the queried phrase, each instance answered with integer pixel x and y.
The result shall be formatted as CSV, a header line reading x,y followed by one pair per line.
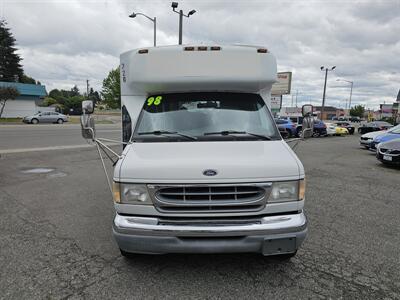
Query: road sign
x,y
283,86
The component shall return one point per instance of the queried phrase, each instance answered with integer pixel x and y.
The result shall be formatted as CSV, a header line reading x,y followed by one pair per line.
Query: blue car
x,y
289,125
391,134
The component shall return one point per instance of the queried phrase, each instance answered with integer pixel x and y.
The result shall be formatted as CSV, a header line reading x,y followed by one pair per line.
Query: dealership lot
x,y
56,241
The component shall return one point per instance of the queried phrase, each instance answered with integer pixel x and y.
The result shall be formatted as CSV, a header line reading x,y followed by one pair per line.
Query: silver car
x,y
46,117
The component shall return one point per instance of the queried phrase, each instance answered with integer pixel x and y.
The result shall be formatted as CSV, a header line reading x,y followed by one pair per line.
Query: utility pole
x,y
324,94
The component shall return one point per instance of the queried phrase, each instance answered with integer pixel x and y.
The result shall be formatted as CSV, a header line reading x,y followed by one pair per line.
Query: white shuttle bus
x,y
204,167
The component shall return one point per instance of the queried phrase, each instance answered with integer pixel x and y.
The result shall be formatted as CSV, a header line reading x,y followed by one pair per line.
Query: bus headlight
x,y
127,193
285,191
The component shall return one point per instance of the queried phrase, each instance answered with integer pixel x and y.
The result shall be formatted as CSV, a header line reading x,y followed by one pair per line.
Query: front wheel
x,y
35,121
316,133
60,121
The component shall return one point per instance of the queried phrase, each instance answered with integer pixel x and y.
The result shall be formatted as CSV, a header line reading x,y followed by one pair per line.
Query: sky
x,y
65,42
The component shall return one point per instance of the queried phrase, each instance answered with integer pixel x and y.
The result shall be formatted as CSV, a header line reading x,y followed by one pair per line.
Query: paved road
x,y
16,138
55,236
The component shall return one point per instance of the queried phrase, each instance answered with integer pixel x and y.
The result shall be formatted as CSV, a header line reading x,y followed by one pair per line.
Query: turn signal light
x,y
302,189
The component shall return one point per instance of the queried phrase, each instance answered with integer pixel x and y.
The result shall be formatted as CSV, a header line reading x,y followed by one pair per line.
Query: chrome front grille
x,y
210,198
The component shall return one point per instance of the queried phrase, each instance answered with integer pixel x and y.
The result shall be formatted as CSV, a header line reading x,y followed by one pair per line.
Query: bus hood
x,y
186,162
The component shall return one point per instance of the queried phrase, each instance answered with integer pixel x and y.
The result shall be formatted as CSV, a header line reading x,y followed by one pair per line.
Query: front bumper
x,y
271,236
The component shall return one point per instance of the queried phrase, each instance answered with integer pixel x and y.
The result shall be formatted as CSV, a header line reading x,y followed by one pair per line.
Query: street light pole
x,y
324,94
174,6
154,20
180,26
351,89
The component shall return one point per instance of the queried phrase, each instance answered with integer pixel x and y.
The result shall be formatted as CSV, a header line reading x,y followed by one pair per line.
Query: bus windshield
x,y
205,116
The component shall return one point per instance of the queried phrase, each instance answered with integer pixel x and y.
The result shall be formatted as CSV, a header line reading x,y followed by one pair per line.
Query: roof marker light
x,y
215,48
188,48
202,48
143,51
262,50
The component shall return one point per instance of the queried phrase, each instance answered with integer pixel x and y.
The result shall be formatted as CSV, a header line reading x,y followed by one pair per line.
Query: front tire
x,y
316,133
34,121
60,121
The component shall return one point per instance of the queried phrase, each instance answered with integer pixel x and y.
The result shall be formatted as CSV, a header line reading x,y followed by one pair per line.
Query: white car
x,y
330,129
366,139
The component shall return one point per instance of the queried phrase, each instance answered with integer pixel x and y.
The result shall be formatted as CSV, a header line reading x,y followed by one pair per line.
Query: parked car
x,y
374,126
355,119
392,134
288,124
330,129
366,139
389,152
346,125
46,117
319,128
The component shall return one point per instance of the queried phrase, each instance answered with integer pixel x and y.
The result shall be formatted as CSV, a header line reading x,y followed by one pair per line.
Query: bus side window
x,y
126,126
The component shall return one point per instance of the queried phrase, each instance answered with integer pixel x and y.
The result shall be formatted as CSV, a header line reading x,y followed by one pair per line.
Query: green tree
x,y
49,101
75,91
94,95
10,67
28,79
73,104
357,111
6,93
111,91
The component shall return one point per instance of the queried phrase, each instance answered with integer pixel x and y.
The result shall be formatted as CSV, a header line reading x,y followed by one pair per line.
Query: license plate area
x,y
387,157
279,246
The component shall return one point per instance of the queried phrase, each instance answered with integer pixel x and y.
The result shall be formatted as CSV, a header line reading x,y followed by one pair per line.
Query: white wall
x,y
19,108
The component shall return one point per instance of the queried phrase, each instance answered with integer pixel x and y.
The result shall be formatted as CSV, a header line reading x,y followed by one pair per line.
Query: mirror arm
x,y
114,162
104,167
108,148
113,141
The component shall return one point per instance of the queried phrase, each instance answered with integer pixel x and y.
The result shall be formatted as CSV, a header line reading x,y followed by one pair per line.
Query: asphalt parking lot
x,y
56,242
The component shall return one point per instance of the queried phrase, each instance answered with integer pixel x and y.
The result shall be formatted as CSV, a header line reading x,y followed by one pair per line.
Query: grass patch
x,y
10,120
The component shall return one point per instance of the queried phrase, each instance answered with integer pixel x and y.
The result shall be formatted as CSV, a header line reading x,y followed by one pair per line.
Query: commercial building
x,y
27,103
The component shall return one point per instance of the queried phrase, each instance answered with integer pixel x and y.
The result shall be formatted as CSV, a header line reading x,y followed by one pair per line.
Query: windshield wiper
x,y
164,132
233,132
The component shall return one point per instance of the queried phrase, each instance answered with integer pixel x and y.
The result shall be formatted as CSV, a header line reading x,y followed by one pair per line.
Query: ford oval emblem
x,y
210,172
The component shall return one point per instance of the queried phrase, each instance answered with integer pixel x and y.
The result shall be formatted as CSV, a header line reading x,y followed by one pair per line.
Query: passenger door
x,y
45,117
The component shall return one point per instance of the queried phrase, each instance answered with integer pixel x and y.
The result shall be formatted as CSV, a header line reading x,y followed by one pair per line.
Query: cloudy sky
x,y
65,42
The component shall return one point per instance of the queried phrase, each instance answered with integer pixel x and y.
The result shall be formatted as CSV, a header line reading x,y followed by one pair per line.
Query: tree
x,y
73,105
111,91
49,101
94,96
75,91
28,79
357,111
10,67
6,93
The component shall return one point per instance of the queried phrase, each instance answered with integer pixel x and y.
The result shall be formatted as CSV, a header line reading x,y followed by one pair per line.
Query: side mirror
x,y
306,110
308,121
87,107
87,127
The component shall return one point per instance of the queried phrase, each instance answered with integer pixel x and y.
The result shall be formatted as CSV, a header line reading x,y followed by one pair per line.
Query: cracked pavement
x,y
56,242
